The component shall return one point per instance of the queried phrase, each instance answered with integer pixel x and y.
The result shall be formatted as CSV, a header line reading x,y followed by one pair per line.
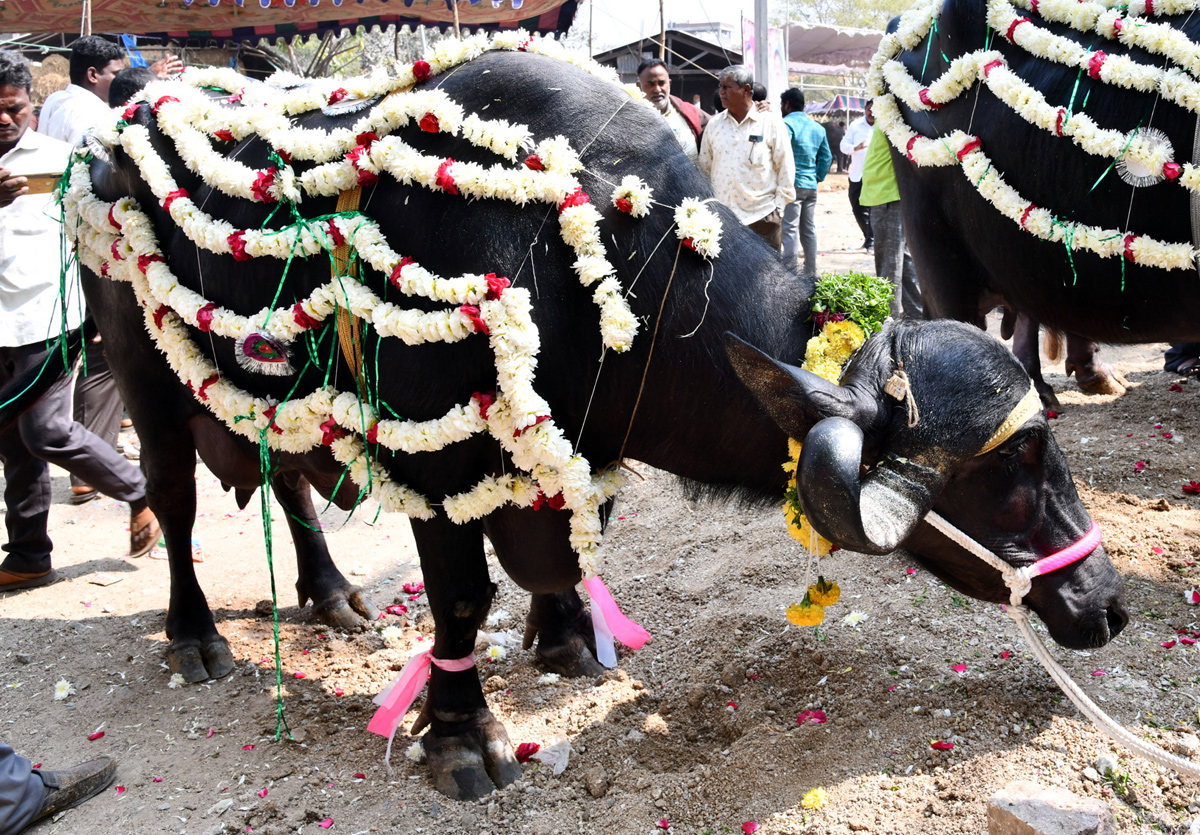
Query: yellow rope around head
x,y
1029,406
349,326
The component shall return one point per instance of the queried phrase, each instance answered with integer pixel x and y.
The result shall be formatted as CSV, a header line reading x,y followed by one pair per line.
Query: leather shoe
x,y
71,786
16,580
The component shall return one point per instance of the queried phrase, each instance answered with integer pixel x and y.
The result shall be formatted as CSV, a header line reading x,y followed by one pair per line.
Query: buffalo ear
x,y
794,398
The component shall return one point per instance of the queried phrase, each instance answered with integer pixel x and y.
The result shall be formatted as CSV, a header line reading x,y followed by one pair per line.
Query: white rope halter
x,y
1019,581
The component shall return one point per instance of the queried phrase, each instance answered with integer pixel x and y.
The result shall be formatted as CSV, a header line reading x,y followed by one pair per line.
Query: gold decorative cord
x,y
1029,406
349,326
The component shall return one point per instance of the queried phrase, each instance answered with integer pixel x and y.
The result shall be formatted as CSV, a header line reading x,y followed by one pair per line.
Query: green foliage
x,y
866,299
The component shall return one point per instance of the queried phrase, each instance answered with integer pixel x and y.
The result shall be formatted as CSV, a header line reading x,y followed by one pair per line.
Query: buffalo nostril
x,y
1117,616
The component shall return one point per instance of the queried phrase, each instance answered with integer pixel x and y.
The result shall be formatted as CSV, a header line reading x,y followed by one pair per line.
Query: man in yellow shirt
x,y
892,261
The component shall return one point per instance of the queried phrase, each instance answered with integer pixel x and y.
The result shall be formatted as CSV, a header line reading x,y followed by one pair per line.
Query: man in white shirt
x,y
32,316
747,155
854,143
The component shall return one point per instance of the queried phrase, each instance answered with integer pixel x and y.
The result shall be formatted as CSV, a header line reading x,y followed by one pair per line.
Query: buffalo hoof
x,y
1046,393
343,608
472,762
574,658
196,663
1105,380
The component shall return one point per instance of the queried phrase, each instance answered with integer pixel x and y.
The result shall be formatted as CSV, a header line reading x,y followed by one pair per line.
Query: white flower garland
x,y
633,196
698,227
889,80
118,240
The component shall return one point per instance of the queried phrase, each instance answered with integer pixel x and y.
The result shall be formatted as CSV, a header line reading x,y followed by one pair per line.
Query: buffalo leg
x,y
466,747
335,600
1025,348
532,545
1092,375
566,641
197,650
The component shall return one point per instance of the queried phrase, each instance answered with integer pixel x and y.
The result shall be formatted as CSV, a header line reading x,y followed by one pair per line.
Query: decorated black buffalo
x,y
483,293
1043,152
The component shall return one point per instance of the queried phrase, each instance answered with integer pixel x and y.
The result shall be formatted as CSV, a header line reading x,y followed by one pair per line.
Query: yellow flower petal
x,y
805,613
824,593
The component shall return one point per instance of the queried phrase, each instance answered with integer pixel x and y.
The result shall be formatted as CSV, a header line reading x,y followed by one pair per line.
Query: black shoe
x,y
71,786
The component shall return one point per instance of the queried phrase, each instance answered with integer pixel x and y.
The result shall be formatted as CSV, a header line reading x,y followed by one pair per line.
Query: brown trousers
x,y
770,229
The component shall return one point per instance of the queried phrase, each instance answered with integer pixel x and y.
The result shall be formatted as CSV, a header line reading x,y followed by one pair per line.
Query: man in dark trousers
x,y
686,121
32,316
28,794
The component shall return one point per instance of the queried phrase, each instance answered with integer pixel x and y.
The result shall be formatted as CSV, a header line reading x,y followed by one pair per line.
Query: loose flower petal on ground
x,y
262,792
63,689
959,668
854,619
95,736
120,790
750,827
938,745
814,798
1168,644
526,750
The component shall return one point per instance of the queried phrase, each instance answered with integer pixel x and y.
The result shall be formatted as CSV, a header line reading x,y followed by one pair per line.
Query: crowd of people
x,y
766,166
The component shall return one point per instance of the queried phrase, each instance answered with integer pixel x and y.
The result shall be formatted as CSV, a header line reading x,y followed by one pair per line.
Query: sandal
x,y
1189,367
83,495
143,539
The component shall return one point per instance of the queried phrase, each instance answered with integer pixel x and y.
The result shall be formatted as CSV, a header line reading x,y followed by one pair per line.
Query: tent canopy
x,y
239,20
838,102
824,44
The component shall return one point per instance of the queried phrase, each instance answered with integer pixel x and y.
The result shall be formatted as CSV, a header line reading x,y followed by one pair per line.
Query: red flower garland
x,y
496,285
302,318
429,123
337,95
145,261
576,198
225,135
365,177
162,311
173,196
263,183
485,399
330,432
394,278
203,392
420,70
445,180
624,205
161,102
237,243
534,163
472,312
204,316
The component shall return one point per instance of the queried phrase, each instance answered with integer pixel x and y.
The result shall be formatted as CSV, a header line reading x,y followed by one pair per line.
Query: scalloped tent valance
x,y
240,20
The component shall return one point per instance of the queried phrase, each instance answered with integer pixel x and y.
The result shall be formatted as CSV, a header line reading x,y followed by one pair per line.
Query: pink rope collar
x,y
1070,554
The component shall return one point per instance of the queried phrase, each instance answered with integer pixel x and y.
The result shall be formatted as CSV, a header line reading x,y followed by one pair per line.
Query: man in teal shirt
x,y
810,150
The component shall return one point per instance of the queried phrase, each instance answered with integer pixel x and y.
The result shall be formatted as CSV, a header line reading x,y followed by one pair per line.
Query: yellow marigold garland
x,y
825,355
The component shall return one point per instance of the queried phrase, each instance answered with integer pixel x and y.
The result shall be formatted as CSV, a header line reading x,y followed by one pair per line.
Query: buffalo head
x,y
870,473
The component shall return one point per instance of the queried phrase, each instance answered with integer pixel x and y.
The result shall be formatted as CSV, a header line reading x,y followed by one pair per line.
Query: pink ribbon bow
x,y
398,696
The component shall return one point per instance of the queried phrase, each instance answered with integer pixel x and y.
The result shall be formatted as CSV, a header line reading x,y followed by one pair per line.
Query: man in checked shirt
x,y
747,155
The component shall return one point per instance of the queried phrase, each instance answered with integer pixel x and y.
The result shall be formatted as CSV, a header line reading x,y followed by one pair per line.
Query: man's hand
x,y
861,146
11,187
167,66
763,106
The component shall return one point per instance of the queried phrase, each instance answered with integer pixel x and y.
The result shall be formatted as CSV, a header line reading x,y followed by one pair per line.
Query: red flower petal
x,y
526,750
337,95
358,775
1175,387
325,824
662,824
1168,435
959,668
209,734
1139,466
429,123
750,827
817,717
301,675
420,70
1156,549
731,704
1005,654
910,571
624,205
534,163
445,178
1168,644
1097,673
120,790
262,792
397,609
249,747
224,134
95,736
1192,487
158,779
1188,641
337,691
413,588
1051,414
937,745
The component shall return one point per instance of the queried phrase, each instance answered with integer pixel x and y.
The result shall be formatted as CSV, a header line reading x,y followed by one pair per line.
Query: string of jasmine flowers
x,y
889,80
117,240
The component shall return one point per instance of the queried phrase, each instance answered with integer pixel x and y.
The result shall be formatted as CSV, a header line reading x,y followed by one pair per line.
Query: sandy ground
x,y
698,728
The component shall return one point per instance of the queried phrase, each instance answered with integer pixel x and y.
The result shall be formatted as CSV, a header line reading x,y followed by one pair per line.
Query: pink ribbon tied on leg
x,y
609,622
398,696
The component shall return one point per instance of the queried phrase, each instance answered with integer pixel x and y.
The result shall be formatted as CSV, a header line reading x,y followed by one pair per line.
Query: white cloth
x,y
858,132
30,250
70,113
753,178
682,130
